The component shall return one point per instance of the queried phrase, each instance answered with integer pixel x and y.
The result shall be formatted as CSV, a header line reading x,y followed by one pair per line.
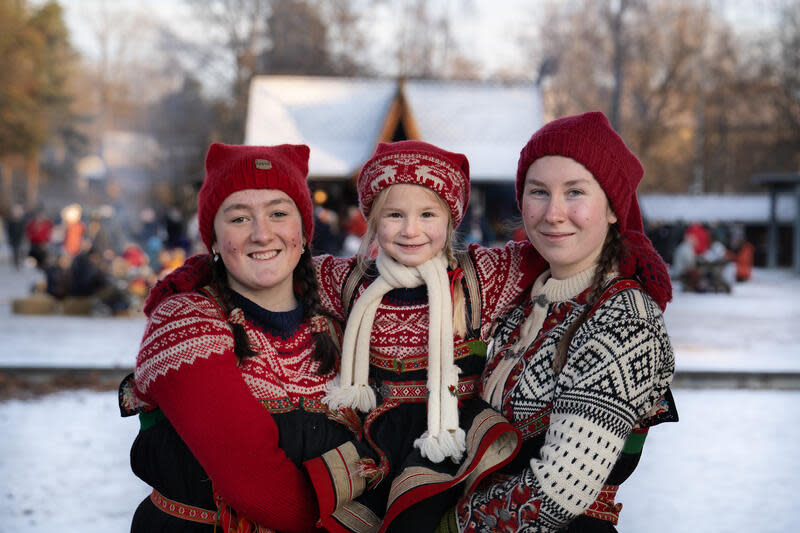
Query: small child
x,y
412,350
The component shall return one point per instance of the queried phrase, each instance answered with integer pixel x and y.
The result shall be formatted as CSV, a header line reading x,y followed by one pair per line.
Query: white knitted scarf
x,y
443,438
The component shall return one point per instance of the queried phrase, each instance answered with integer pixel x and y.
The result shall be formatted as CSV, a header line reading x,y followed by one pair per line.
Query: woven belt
x,y
474,347
183,511
417,391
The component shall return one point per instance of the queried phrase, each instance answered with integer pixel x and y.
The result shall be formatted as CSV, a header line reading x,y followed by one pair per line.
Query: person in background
x,y
684,262
583,367
355,227
235,359
39,232
15,231
74,229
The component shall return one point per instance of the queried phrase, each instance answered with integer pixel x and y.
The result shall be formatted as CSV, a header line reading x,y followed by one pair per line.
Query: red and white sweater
x,y
400,332
186,366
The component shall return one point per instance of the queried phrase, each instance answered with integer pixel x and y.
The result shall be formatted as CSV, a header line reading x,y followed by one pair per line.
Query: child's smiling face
x,y
413,224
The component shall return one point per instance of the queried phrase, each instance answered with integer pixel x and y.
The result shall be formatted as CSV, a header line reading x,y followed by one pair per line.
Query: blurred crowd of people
x,y
94,254
705,257
104,255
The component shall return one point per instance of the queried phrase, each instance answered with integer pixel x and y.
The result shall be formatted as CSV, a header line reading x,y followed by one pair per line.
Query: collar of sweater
x,y
561,290
547,290
278,324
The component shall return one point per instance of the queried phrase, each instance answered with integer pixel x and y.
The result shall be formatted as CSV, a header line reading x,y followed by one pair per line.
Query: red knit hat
x,y
590,140
416,163
231,168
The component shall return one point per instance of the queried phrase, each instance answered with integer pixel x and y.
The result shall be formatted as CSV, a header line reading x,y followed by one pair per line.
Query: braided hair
x,y
219,277
325,349
605,266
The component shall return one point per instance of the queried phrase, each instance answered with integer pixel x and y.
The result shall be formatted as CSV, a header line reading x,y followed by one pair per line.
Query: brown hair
x,y
606,264
459,299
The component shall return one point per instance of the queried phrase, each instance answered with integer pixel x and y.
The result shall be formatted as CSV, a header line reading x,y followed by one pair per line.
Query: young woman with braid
x,y
233,366
412,350
583,367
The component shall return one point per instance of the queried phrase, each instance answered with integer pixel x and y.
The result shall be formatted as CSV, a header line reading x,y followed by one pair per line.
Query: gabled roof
x,y
339,118
488,122
343,119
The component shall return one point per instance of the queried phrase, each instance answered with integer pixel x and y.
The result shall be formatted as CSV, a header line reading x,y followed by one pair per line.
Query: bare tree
x,y
787,67
313,38
640,65
424,43
239,28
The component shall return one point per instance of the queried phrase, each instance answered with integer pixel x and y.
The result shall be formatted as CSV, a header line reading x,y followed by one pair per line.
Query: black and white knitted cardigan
x,y
619,366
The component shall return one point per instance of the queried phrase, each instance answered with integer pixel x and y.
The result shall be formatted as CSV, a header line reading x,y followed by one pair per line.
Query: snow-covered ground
x,y
728,465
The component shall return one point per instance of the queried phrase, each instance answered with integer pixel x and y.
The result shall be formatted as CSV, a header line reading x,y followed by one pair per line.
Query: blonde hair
x,y
368,240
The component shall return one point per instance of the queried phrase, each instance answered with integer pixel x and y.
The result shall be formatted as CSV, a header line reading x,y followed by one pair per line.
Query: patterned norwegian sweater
x,y
221,409
400,331
399,337
619,366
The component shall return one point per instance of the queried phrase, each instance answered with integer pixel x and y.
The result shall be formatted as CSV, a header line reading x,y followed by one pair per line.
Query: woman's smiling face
x,y
566,214
259,236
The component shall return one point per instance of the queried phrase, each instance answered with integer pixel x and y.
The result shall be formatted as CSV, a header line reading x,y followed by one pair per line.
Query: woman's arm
x,y
187,367
504,277
332,273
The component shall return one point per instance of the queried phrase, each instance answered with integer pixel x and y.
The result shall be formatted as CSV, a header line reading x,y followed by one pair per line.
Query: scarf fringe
x,y
448,443
359,396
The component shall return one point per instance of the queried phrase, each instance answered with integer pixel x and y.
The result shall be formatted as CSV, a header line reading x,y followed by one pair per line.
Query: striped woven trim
x,y
285,405
357,517
603,507
342,465
417,391
460,351
537,423
183,511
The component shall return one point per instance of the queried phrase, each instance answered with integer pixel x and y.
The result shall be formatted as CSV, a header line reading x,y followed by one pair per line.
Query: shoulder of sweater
x,y
633,303
511,247
329,266
185,303
626,316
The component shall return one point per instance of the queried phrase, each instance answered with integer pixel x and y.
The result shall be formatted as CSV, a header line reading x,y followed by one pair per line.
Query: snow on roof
x,y
752,208
341,119
338,118
488,122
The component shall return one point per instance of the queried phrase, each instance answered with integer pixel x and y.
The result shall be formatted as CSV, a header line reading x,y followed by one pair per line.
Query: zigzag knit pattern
x,y
620,363
187,327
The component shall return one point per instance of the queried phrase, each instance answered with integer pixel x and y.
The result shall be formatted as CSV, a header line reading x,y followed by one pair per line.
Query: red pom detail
x,y
641,260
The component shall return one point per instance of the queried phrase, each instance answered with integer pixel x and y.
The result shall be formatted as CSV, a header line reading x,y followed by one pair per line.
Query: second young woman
x,y
583,367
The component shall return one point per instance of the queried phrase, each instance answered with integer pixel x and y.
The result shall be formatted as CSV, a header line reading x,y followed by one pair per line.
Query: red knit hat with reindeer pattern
x,y
416,163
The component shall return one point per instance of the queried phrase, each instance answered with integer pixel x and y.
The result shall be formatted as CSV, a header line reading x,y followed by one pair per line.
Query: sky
x,y
487,30
480,26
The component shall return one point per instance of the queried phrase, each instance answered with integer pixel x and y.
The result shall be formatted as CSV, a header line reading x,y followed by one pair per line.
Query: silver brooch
x,y
540,300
